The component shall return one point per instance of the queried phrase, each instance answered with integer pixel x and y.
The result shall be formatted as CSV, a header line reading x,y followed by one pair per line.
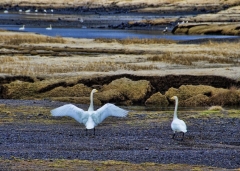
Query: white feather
x,y
89,118
70,110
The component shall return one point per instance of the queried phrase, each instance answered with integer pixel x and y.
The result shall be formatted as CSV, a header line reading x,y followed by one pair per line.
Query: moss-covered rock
x,y
124,89
157,99
227,97
186,91
19,90
198,100
78,90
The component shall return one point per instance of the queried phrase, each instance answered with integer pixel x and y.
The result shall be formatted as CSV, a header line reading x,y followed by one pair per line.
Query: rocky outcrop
x,y
205,28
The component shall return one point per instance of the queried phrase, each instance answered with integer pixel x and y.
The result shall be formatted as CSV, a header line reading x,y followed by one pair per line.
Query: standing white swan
x,y
49,28
177,125
90,118
22,28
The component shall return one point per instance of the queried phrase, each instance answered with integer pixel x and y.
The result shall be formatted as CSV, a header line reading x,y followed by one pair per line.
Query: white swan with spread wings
x,y
91,117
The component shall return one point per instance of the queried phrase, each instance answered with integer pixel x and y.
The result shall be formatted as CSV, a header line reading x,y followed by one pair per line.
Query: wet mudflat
x,y
210,141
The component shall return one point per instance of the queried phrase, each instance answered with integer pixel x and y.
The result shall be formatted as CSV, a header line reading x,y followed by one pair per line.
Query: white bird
x,y
27,11
36,10
51,10
177,125
49,28
80,19
5,11
91,117
22,28
45,11
165,30
20,10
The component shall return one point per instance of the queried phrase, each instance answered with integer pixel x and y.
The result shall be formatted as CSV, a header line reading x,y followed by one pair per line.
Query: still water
x,y
85,32
110,33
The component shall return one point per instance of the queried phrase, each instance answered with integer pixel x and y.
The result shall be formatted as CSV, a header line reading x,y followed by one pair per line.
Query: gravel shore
x,y
209,141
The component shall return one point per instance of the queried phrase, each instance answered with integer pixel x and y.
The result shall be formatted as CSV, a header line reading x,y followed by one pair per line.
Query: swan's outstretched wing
x,y
108,110
73,111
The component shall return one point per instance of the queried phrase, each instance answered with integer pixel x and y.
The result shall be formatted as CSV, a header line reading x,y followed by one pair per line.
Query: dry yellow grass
x,y
136,41
99,3
31,39
216,108
98,56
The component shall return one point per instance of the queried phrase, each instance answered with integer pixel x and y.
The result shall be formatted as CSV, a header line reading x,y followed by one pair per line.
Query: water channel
x,y
85,32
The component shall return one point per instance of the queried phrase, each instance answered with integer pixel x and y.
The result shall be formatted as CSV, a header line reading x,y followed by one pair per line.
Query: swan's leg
x,y
182,135
94,131
173,135
86,132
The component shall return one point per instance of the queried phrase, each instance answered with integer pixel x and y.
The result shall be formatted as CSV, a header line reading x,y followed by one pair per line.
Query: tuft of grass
x,y
216,108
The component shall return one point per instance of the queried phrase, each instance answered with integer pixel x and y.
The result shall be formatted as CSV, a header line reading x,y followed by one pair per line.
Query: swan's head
x,y
94,90
174,98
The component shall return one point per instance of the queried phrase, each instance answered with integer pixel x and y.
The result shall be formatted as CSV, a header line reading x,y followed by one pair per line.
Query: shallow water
x,y
110,33
92,33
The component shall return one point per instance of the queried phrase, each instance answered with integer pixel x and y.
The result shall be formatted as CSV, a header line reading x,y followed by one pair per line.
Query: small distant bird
x,y
36,10
165,30
90,118
28,11
177,125
5,11
22,28
80,19
45,11
49,28
20,10
51,10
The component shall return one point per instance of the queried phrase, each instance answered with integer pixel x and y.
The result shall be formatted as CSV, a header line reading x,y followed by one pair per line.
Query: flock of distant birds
x,y
80,19
28,11
36,11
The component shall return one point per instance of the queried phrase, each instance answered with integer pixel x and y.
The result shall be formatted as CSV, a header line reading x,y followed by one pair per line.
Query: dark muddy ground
x,y
209,141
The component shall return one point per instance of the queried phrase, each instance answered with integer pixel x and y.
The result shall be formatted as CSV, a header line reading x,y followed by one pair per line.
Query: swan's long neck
x,y
175,110
91,108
